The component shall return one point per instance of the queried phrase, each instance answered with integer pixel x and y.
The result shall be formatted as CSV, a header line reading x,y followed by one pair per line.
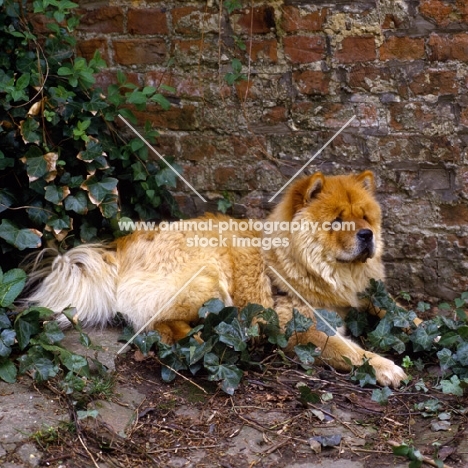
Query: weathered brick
x,y
146,21
140,51
193,21
176,118
190,51
298,19
265,51
454,215
87,48
275,115
402,48
196,148
435,82
449,47
312,82
371,78
436,10
185,85
258,20
304,49
103,20
356,49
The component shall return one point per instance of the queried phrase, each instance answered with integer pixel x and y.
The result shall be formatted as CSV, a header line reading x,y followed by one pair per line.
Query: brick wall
x,y
400,66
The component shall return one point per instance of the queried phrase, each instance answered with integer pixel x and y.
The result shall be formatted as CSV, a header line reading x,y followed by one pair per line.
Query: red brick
x,y
297,19
104,20
402,48
275,115
247,90
224,175
140,52
304,49
436,10
448,47
191,20
147,21
197,148
454,215
263,50
312,82
259,20
87,48
367,77
190,50
184,85
176,118
435,82
356,49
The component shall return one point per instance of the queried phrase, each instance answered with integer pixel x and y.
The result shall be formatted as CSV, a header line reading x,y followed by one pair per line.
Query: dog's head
x,y
343,216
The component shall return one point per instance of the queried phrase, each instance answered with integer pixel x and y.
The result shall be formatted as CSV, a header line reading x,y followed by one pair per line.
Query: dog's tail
x,y
84,277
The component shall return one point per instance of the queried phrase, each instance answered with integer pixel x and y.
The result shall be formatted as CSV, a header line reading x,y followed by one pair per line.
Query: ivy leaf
x,y
11,285
28,129
327,321
213,306
166,177
364,374
8,371
77,203
26,325
229,374
357,322
381,395
298,324
56,194
452,386
7,340
423,337
462,354
20,238
232,334
98,189
145,341
306,353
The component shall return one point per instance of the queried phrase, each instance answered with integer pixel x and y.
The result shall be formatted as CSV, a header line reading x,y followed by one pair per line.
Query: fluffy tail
x,y
85,278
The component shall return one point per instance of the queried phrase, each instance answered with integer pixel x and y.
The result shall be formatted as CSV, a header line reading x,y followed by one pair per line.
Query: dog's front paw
x,y
387,372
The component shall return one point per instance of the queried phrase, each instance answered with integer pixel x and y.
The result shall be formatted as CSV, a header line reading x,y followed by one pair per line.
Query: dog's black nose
x,y
365,235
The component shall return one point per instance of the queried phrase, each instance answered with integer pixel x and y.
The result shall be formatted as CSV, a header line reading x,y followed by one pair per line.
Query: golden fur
x,y
141,273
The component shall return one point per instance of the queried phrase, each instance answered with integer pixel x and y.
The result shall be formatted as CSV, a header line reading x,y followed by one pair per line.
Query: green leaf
x,y
52,332
423,337
4,320
55,194
307,395
229,374
381,395
327,321
28,128
77,203
36,167
166,177
233,335
452,386
11,285
8,371
306,353
98,189
357,322
20,238
26,325
145,341
462,354
212,306
298,324
364,374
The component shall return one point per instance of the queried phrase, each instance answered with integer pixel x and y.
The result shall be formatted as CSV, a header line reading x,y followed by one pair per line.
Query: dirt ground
x,y
266,423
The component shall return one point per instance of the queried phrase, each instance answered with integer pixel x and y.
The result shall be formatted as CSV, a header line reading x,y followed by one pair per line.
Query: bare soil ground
x,y
191,423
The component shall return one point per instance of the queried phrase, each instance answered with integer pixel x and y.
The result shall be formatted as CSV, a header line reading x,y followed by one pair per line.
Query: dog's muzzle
x,y
366,246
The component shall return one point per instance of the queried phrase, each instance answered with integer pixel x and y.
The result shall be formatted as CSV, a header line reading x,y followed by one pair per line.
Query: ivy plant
x,y
67,173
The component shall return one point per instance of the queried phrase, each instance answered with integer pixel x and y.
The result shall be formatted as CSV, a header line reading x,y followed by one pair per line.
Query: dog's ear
x,y
306,189
367,180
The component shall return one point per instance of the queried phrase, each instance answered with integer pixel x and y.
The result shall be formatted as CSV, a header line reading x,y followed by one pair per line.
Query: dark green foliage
x,y
66,170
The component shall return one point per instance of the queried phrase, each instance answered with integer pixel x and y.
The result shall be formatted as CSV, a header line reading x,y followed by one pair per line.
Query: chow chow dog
x,y
301,257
